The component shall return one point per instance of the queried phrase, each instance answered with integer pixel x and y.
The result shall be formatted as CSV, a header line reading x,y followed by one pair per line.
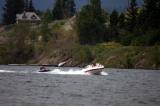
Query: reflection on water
x,y
24,86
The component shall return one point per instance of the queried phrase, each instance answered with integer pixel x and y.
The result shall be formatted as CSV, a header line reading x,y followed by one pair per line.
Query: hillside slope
x,y
58,42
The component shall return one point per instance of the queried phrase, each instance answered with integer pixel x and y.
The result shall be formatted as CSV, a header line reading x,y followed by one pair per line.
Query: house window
x,y
33,17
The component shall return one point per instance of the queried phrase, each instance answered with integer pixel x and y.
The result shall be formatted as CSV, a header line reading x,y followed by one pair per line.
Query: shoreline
x,y
51,65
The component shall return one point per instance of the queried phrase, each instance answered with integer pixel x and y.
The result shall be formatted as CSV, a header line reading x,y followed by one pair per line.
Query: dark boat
x,y
43,69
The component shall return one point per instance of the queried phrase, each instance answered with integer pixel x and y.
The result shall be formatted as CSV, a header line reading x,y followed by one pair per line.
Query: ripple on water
x,y
122,88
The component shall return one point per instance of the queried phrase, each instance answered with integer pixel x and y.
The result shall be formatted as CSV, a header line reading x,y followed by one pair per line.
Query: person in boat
x,y
94,64
43,69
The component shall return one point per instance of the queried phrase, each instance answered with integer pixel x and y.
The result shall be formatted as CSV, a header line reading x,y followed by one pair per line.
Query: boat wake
x,y
6,71
56,72
70,72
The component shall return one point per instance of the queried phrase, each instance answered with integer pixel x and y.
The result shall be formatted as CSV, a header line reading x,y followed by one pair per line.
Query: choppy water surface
x,y
24,86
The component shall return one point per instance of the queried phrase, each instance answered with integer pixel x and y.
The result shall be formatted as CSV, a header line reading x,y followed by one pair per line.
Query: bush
x,y
45,32
155,56
152,37
83,55
3,54
125,38
149,38
20,48
47,17
138,41
128,61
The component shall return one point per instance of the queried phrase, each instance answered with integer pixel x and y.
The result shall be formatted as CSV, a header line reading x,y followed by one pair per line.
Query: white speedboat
x,y
94,69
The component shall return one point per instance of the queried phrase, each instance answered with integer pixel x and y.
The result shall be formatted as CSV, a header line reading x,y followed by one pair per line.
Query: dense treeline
x,y
135,26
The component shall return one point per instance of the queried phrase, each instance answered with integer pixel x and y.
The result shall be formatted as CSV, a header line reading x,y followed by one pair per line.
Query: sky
x,y
108,5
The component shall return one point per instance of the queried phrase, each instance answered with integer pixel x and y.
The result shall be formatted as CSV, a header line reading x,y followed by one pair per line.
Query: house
x,y
27,17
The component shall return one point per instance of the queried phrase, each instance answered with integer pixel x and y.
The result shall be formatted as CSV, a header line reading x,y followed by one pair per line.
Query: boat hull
x,y
44,70
94,71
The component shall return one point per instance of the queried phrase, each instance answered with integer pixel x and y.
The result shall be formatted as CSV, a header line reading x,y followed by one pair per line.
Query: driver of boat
x,y
42,68
94,64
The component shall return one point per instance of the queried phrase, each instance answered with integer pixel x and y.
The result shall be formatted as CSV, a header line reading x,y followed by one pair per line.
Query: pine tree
x,y
47,17
11,8
31,7
64,9
71,8
19,6
121,21
9,16
112,33
57,10
97,10
90,24
96,5
152,13
26,5
114,19
132,15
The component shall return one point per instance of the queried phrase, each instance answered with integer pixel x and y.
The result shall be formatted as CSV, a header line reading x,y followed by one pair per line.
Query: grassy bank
x,y
57,42
112,55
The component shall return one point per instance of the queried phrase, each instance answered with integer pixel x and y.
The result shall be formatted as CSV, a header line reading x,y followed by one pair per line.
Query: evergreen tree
x,y
47,17
68,8
96,9
71,8
121,21
112,32
96,5
19,6
132,15
9,16
152,13
11,8
31,7
114,19
26,5
58,10
90,24
64,9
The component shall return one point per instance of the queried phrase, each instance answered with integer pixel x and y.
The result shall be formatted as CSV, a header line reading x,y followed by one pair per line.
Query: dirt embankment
x,y
111,57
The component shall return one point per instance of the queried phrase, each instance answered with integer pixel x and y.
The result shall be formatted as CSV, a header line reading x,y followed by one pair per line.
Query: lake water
x,y
24,86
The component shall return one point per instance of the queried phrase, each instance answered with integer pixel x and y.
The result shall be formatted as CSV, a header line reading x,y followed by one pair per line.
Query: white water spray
x,y
56,71
6,71
70,72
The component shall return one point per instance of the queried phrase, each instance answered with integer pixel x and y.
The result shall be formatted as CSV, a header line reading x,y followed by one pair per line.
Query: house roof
x,y
28,16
